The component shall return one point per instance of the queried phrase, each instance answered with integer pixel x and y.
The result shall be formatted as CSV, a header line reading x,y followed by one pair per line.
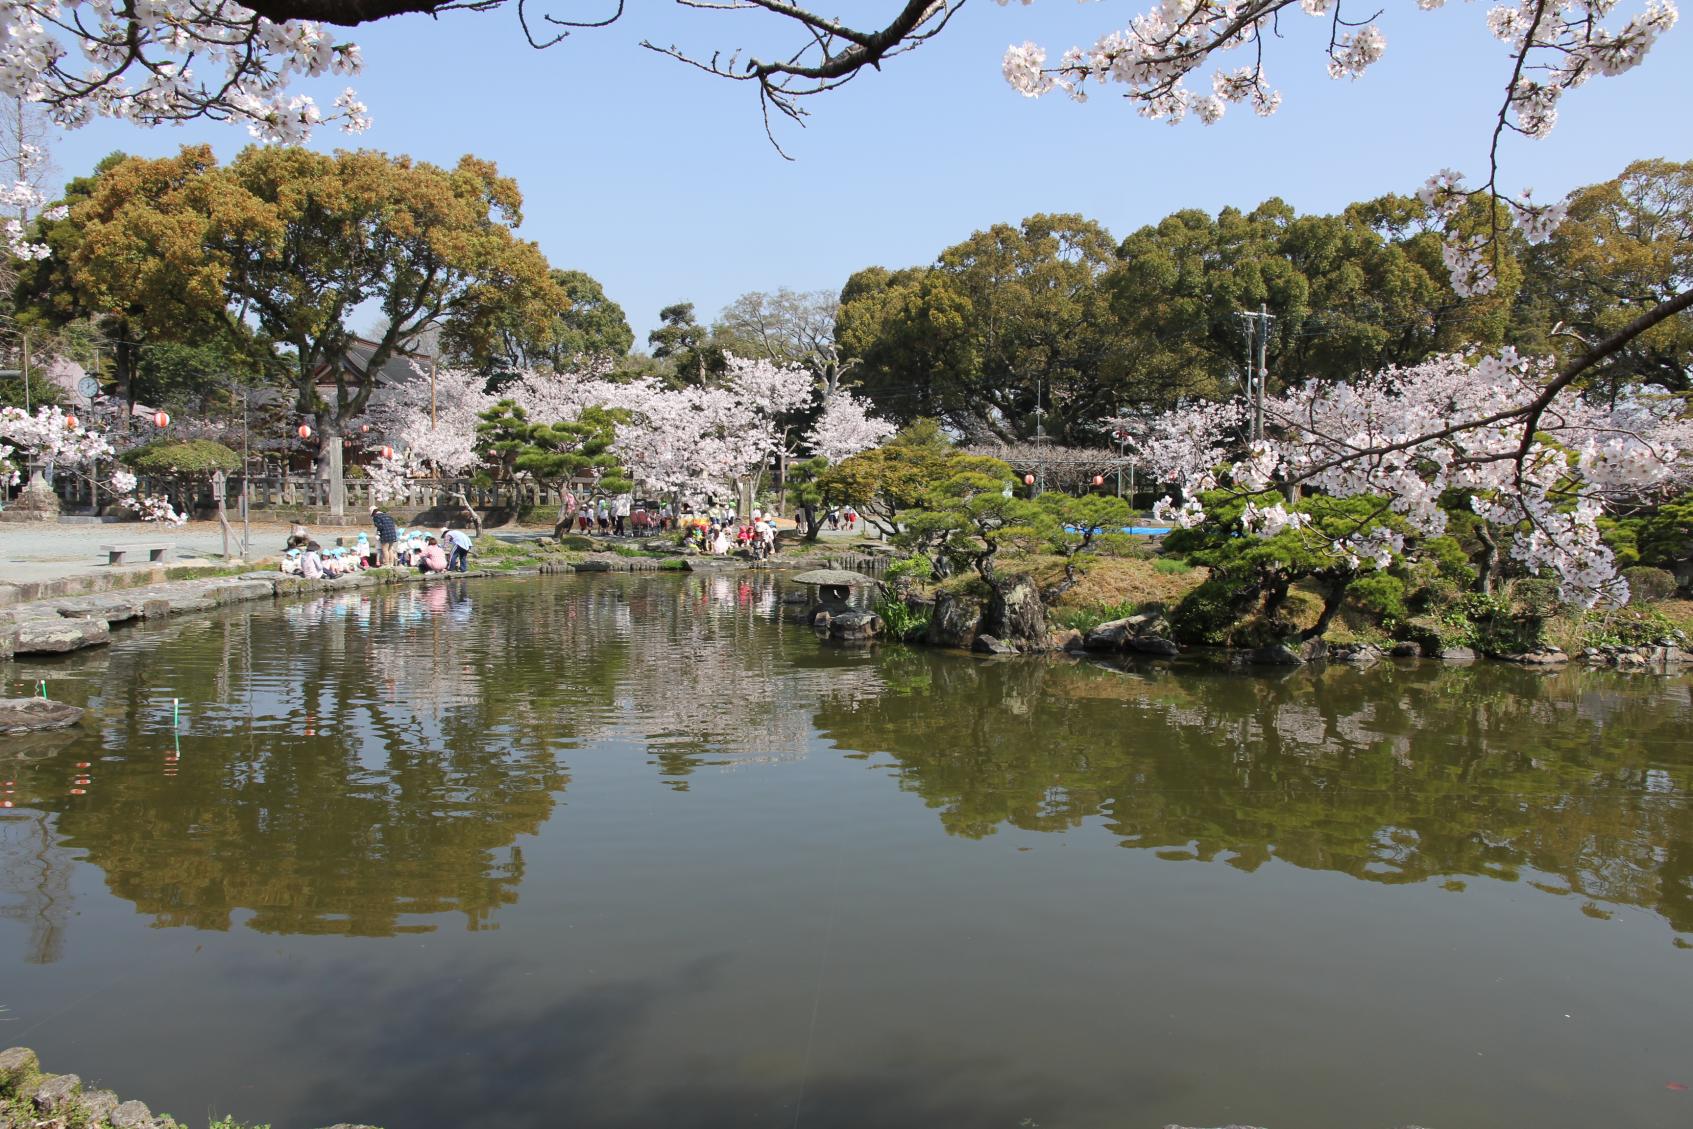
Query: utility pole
x,y
1122,445
246,476
1257,364
1040,438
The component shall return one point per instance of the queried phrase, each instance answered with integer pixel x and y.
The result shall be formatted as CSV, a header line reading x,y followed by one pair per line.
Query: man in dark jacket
x,y
387,534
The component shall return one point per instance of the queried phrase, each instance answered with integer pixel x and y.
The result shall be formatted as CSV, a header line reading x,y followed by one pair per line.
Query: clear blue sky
x,y
657,179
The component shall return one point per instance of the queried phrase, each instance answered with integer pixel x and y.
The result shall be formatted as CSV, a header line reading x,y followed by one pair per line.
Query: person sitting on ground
x,y
433,558
311,561
363,550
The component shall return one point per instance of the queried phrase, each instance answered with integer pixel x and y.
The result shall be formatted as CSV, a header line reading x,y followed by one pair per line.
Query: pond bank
x,y
31,1099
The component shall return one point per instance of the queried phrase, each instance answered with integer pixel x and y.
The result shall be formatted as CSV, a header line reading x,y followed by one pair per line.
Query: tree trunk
x,y
813,527
1332,600
467,511
1489,571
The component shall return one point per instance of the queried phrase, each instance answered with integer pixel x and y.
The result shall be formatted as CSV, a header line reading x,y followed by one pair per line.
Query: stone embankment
x,y
30,1099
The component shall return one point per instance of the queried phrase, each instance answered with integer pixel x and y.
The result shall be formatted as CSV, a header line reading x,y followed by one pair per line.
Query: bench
x,y
155,550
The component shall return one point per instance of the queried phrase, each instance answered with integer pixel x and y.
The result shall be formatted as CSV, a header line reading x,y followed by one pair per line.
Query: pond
x,y
632,851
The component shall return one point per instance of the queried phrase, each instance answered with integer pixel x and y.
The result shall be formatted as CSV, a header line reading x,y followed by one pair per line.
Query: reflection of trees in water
x,y
1392,775
34,878
353,763
720,678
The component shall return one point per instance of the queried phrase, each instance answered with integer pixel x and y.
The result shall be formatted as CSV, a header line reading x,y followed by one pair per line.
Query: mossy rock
x,y
18,1067
576,543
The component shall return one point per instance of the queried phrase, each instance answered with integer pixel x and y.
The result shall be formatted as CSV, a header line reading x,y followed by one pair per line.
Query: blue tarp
x,y
1140,530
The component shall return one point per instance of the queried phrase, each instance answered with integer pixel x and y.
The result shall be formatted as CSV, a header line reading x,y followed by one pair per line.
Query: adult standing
x,y
387,534
459,542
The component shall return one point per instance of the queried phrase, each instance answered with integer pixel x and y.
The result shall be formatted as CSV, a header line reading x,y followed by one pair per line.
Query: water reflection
x,y
1396,774
361,763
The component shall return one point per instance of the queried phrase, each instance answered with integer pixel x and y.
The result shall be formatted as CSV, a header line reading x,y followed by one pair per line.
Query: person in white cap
x,y
459,541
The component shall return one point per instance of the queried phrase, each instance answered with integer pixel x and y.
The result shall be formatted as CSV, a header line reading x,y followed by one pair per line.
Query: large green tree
x,y
1347,293
296,241
1626,245
587,326
145,315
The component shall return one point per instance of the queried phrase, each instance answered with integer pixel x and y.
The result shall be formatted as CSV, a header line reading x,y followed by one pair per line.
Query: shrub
x,y
1627,627
1646,584
1171,566
1449,557
1207,614
908,572
1085,619
899,619
1380,595
1535,596
184,457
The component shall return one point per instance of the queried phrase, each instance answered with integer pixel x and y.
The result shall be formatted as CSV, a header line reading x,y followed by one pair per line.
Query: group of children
x,y
414,549
706,533
617,517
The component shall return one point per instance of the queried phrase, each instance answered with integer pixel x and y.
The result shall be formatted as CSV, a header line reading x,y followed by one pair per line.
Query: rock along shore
x,y
31,1099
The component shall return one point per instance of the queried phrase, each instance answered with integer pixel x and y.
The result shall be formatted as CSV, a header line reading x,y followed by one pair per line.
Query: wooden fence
x,y
303,492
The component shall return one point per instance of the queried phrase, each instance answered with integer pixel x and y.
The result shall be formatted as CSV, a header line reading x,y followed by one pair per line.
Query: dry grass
x,y
1110,581
1680,612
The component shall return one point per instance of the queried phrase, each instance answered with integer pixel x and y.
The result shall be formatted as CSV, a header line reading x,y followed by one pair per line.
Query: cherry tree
x,y
845,427
442,436
172,61
1452,423
53,440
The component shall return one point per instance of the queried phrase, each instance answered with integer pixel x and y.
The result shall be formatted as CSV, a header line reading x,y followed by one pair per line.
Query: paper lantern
x,y
161,419
364,429
388,452
304,431
1028,480
70,423
1099,480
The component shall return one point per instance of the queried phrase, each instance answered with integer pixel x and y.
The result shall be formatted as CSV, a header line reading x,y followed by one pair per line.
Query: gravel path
x,y
29,551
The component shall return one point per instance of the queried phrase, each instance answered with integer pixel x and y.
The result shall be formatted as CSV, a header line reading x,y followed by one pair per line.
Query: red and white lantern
x,y
1028,480
161,419
1099,480
70,423
388,453
304,431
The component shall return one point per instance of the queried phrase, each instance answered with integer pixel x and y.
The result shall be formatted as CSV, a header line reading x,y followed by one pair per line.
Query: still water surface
x,y
619,852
